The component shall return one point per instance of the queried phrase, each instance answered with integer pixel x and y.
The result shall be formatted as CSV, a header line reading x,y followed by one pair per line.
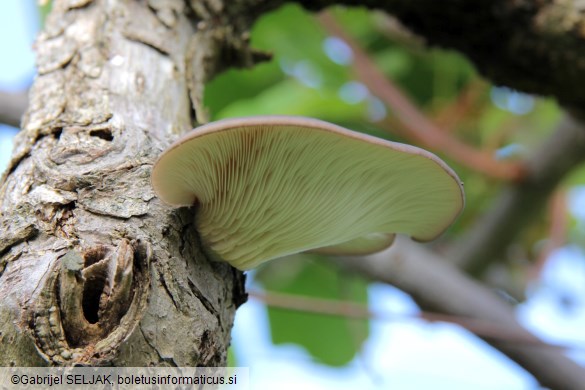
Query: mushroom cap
x,y
270,186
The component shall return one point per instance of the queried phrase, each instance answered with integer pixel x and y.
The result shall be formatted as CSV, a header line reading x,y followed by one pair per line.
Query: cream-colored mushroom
x,y
266,187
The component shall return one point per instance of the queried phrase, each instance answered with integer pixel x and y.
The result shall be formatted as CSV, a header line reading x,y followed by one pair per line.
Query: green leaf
x,y
575,178
44,10
240,84
331,340
290,97
231,358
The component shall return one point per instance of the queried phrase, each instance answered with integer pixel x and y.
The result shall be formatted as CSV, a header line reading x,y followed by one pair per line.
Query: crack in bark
x,y
107,213
57,315
153,45
163,283
203,299
169,360
15,236
78,4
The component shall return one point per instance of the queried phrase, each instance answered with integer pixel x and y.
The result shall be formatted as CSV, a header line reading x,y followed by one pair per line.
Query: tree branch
x,y
558,231
520,204
349,309
416,126
516,206
437,286
12,107
533,46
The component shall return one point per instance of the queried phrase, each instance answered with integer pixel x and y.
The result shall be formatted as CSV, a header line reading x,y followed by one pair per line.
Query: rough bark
x,y
435,285
93,268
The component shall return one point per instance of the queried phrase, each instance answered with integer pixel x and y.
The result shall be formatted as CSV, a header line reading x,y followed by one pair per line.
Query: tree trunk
x,y
93,268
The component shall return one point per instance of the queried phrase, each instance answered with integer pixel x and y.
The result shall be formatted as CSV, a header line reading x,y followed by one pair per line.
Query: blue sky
x,y
18,26
401,354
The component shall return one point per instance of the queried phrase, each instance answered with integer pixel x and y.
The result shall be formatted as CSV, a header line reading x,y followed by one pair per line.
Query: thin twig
x,y
347,309
520,204
461,108
437,286
417,127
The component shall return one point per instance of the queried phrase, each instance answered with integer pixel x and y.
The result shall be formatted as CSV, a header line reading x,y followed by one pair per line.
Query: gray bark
x,y
93,268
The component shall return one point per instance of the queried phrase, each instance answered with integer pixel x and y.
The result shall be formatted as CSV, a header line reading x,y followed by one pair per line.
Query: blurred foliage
x,y
304,79
329,339
44,9
232,361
